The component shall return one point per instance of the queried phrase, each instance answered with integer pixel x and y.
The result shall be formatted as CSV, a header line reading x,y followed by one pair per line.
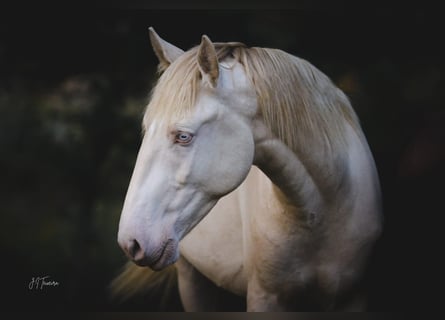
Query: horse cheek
x,y
229,165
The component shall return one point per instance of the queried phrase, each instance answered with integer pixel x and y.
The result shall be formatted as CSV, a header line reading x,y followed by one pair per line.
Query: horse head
x,y
197,146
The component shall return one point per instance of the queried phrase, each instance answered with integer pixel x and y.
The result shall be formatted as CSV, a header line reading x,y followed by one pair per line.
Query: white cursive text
x,y
38,283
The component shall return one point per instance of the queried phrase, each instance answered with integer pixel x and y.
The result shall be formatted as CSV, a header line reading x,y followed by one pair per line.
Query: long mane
x,y
297,102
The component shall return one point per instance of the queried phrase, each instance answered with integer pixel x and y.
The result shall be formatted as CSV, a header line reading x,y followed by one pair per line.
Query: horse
x,y
253,177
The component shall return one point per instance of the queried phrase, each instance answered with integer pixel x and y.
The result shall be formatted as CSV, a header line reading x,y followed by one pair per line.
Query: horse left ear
x,y
208,62
166,52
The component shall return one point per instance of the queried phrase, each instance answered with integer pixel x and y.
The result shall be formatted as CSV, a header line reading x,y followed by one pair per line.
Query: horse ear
x,y
208,61
166,52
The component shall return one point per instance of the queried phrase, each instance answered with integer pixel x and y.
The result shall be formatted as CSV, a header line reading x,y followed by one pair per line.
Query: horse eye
x,y
183,138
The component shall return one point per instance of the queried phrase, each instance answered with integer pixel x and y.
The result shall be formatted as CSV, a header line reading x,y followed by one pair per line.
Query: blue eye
x,y
183,138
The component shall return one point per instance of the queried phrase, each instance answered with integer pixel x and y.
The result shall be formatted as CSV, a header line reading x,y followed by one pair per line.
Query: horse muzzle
x,y
157,258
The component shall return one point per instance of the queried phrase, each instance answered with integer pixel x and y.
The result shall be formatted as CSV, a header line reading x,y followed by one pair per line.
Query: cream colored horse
x,y
253,176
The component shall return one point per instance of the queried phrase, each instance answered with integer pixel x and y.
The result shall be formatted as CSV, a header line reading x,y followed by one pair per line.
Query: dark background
x,y
74,82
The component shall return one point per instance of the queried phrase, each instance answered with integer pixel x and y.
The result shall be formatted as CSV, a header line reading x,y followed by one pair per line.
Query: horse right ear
x,y
166,52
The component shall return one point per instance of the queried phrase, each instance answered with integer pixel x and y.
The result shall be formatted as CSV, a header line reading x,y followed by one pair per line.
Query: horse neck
x,y
305,183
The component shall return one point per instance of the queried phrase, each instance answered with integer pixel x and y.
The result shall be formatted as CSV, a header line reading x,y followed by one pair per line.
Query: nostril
x,y
134,250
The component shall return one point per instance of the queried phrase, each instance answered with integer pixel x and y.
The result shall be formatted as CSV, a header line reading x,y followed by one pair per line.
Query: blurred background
x,y
74,83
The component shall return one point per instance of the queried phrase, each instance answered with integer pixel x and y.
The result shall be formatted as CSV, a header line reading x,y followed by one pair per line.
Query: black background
x,y
74,81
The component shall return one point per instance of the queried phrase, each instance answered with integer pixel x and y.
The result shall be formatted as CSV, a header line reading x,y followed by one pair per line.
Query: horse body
x,y
305,211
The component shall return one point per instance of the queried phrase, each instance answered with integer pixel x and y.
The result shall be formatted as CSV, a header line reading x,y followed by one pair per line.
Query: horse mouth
x,y
165,258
